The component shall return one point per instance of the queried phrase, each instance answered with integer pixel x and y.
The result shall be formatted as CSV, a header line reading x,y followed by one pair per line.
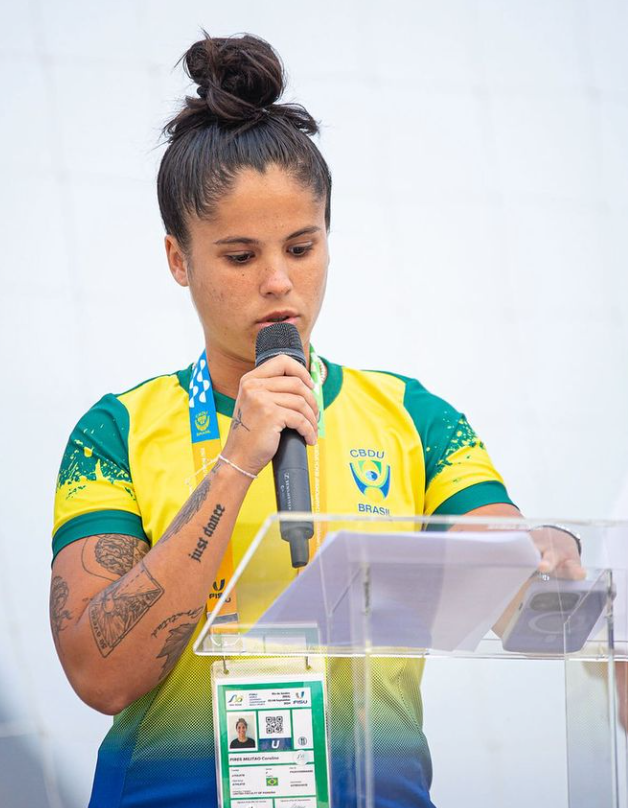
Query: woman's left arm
x,y
559,553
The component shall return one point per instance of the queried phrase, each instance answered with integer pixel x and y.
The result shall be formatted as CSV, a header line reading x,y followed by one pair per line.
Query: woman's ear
x,y
177,261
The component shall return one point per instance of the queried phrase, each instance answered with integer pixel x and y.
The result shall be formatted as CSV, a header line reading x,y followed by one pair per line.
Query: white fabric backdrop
x,y
480,158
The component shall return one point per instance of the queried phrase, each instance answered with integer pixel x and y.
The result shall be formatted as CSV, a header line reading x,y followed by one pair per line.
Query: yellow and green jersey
x,y
391,448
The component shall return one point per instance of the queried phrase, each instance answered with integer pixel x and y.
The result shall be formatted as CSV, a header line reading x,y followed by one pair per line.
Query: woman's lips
x,y
264,323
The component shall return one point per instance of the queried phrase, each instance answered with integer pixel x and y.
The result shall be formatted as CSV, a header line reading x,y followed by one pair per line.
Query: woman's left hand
x,y
559,553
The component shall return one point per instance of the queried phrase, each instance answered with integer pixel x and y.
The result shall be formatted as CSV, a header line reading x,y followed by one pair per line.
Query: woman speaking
x,y
244,194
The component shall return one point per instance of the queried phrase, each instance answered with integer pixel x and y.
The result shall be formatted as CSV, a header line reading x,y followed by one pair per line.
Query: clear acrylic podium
x,y
540,724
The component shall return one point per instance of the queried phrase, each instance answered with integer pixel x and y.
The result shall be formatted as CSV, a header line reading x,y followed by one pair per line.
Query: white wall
x,y
480,158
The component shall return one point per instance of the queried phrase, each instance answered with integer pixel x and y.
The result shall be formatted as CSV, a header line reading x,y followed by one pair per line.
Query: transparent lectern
x,y
441,632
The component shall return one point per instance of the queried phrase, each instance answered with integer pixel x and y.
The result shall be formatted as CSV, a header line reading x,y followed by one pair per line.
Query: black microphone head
x,y
278,338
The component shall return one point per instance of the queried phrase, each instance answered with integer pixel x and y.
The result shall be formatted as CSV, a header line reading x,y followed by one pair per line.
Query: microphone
x,y
292,481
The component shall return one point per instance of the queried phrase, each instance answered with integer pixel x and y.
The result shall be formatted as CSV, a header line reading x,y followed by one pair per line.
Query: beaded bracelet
x,y
237,468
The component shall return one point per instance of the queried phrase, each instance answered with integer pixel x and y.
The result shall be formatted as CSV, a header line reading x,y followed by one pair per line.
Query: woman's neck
x,y
226,370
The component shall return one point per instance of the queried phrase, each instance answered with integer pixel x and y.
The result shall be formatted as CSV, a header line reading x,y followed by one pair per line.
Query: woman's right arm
x,y
122,614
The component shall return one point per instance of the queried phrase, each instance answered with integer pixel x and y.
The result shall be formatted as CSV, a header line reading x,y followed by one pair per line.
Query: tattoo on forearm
x,y
192,505
208,530
111,556
192,613
59,592
237,421
119,607
178,638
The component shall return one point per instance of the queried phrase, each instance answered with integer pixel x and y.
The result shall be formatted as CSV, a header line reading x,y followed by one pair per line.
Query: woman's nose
x,y
276,281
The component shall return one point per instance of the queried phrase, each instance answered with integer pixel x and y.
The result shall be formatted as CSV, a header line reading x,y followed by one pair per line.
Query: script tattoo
x,y
192,505
208,531
119,607
178,638
237,421
192,613
111,555
59,592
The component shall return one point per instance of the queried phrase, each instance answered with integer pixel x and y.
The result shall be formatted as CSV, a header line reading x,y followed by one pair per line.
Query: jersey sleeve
x,y
459,474
95,492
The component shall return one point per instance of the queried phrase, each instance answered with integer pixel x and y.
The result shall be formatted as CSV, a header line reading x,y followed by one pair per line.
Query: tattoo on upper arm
x,y
118,608
237,421
192,613
111,556
59,592
192,505
176,641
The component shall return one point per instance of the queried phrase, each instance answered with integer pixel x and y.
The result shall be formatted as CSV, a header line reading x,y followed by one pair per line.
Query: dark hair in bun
x,y
234,122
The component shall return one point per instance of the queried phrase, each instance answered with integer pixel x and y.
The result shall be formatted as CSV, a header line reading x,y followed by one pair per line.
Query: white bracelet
x,y
237,468
566,530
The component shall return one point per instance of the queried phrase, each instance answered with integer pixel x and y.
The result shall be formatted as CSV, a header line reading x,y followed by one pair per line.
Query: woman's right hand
x,y
272,397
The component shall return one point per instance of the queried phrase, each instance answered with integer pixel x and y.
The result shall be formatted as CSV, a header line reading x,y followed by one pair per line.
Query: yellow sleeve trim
x,y
463,468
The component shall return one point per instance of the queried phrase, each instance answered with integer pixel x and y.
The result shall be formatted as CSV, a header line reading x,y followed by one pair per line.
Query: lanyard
x,y
207,445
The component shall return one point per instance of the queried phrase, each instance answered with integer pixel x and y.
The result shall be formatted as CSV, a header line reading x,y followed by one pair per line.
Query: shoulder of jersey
x,y
166,385
396,383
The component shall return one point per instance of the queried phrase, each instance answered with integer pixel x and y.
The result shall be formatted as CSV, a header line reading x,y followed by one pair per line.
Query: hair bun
x,y
238,76
240,79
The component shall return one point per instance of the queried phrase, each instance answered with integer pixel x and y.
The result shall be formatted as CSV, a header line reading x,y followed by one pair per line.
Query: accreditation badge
x,y
270,733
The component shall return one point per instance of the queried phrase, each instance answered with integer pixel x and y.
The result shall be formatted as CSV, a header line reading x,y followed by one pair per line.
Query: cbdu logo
x,y
371,476
235,699
202,421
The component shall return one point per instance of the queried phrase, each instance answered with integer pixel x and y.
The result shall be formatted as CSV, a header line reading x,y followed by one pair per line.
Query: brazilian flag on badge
x,y
272,781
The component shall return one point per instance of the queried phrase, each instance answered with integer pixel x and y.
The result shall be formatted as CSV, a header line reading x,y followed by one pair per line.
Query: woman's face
x,y
241,729
262,257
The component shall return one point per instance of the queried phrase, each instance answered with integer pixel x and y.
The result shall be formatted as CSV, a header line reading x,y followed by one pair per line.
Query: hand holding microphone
x,y
275,415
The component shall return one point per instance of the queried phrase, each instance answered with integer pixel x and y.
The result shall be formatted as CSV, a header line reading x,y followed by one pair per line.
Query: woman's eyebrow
x,y
237,240
303,231
247,240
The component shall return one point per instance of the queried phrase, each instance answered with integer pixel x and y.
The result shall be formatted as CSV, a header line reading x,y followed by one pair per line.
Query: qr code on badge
x,y
274,724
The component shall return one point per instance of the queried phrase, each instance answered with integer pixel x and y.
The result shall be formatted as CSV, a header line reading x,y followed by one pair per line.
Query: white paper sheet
x,y
441,590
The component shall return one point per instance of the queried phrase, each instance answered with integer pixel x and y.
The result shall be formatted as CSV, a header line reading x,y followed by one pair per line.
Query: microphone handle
x,y
292,486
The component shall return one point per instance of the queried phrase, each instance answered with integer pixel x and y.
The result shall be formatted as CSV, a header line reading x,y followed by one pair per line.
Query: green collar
x,y
225,404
